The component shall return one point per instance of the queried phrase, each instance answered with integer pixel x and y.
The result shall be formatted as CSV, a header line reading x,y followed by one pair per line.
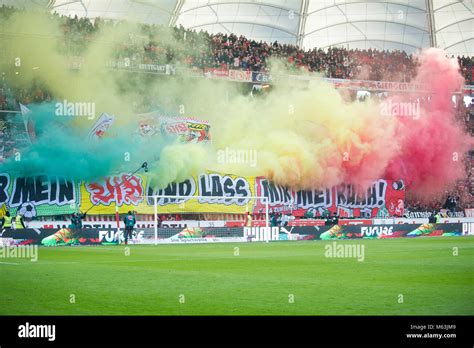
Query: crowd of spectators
x,y
155,44
466,65
229,51
237,52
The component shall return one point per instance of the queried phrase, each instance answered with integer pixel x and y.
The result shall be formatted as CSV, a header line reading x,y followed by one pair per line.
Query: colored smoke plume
x,y
432,146
304,137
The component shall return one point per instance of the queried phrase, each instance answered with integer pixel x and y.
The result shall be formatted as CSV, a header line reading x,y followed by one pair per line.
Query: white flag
x,y
24,109
24,113
100,127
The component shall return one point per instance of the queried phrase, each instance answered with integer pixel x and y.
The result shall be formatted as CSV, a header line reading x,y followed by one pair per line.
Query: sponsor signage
x,y
427,214
468,229
154,68
200,240
63,236
139,224
390,221
371,231
240,75
217,73
261,77
317,222
60,236
356,222
469,212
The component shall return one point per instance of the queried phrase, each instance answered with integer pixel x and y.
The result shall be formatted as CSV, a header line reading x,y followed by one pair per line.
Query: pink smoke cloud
x,y
432,142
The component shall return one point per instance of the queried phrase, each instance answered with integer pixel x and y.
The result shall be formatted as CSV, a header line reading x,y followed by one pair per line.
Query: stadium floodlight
x,y
207,213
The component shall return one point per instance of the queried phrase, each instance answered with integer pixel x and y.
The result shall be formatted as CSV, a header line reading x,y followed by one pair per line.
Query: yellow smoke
x,y
303,137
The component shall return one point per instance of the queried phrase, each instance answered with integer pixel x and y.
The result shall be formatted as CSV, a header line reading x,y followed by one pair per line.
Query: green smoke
x,y
62,148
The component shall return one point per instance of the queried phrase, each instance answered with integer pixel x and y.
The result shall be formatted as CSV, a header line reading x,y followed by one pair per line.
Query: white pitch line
x,y
9,263
96,262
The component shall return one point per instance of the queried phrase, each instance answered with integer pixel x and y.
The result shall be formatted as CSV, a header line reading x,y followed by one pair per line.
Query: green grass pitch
x,y
397,277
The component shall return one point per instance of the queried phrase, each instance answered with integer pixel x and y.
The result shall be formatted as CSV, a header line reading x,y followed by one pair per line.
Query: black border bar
x,y
227,330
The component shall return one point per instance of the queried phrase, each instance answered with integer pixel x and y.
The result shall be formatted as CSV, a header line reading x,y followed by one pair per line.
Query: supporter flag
x,y
101,126
27,122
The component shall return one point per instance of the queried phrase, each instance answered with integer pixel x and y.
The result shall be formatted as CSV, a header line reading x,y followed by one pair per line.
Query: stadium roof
x,y
407,25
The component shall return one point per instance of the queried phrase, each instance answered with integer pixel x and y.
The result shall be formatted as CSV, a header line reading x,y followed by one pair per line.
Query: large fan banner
x,y
186,129
43,195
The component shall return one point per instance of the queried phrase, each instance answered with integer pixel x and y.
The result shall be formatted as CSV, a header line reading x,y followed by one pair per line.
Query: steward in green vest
x,y
19,223
7,220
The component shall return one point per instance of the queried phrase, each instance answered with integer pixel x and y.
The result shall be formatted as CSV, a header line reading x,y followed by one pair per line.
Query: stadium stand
x,y
205,50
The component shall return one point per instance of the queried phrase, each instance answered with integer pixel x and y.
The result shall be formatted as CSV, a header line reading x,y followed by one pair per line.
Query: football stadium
x,y
236,158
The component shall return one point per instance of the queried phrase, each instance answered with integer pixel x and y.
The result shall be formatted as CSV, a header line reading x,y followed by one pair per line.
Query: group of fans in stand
x,y
204,50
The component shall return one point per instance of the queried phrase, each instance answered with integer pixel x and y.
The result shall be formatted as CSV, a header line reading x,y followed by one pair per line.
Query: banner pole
x,y
156,219
266,212
117,219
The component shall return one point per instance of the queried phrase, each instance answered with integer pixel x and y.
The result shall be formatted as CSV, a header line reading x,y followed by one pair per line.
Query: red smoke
x,y
432,143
